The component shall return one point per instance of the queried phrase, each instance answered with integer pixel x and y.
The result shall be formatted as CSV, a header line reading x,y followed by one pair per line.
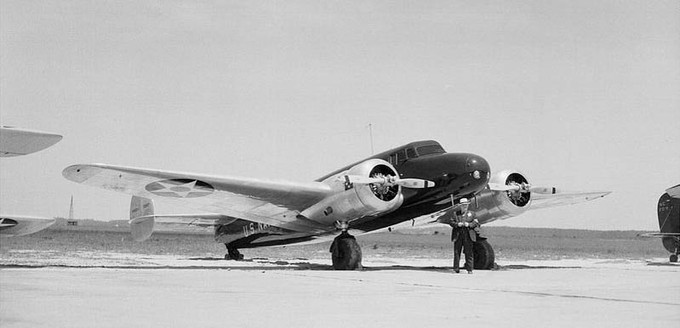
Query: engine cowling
x,y
490,205
354,201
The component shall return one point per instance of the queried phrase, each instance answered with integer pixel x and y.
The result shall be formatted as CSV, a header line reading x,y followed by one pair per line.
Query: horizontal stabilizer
x,y
16,225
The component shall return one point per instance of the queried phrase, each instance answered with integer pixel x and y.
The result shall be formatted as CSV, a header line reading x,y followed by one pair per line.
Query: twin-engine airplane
x,y
668,210
18,142
401,184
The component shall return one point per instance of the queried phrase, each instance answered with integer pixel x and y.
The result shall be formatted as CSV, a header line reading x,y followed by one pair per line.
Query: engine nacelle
x,y
492,205
354,201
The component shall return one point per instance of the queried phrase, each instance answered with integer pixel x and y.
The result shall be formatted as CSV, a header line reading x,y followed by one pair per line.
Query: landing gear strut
x,y
345,251
233,254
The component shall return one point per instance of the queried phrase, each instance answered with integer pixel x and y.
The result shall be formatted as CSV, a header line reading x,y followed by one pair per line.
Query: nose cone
x,y
478,167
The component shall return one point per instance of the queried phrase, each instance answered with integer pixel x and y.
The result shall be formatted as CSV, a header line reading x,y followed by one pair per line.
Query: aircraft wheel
x,y
233,254
674,258
346,252
484,255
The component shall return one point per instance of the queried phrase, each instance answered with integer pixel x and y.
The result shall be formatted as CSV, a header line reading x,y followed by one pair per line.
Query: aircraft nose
x,y
478,167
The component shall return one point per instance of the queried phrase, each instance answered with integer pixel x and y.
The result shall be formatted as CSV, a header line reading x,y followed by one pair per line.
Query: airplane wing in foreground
x,y
274,203
17,142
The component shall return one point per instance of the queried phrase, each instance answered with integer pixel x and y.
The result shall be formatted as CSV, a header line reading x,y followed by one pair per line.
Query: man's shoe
x,y
456,270
469,271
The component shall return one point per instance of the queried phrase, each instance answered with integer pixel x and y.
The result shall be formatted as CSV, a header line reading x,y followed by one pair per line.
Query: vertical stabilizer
x,y
669,220
141,218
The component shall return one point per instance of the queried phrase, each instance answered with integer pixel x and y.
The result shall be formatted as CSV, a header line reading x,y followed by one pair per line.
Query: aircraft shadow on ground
x,y
265,264
285,265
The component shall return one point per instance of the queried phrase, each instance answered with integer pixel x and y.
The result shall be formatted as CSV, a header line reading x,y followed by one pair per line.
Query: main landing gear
x,y
345,251
484,255
232,253
672,245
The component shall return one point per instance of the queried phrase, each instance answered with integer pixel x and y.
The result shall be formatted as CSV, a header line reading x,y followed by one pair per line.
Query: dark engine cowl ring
x,y
519,198
383,192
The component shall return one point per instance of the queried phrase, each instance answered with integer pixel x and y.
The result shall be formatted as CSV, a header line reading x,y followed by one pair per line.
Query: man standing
x,y
464,234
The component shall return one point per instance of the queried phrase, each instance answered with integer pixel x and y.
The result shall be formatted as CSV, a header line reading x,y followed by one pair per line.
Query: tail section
x,y
669,220
141,218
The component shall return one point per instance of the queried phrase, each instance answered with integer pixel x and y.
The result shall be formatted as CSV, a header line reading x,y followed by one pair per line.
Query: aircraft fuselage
x,y
455,174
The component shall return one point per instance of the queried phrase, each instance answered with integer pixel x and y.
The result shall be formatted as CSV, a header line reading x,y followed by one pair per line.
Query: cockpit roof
x,y
399,154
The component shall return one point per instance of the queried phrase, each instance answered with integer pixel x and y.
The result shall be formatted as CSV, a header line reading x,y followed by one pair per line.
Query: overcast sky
x,y
583,95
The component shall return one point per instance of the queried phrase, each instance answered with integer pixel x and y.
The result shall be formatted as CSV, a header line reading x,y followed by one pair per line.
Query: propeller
x,y
523,188
388,181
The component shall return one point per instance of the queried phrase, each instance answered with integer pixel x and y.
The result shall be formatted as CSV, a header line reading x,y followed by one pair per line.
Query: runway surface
x,y
138,290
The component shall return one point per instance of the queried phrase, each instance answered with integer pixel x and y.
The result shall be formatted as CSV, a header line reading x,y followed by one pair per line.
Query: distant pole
x,y
70,210
370,133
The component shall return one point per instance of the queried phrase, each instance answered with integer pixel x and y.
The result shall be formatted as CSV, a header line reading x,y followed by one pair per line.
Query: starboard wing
x,y
276,203
539,201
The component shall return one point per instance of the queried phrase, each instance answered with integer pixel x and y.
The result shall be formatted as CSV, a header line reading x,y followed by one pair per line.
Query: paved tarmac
x,y
390,293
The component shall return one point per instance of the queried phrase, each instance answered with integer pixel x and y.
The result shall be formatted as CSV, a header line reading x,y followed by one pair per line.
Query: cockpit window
x,y
401,156
411,153
430,149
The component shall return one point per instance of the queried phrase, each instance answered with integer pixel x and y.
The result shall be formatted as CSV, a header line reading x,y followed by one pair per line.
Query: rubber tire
x,y
346,253
233,254
673,258
484,255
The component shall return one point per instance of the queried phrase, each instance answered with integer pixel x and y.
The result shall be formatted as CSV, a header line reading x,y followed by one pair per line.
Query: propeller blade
x,y
502,187
543,190
358,179
415,183
523,188
389,180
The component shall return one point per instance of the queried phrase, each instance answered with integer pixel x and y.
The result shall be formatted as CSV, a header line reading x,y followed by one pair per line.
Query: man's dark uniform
x,y
463,236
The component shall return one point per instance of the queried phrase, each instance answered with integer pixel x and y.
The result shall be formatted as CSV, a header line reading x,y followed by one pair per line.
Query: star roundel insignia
x,y
180,188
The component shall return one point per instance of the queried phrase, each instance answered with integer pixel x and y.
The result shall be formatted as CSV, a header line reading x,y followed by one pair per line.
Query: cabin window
x,y
430,149
393,159
401,156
